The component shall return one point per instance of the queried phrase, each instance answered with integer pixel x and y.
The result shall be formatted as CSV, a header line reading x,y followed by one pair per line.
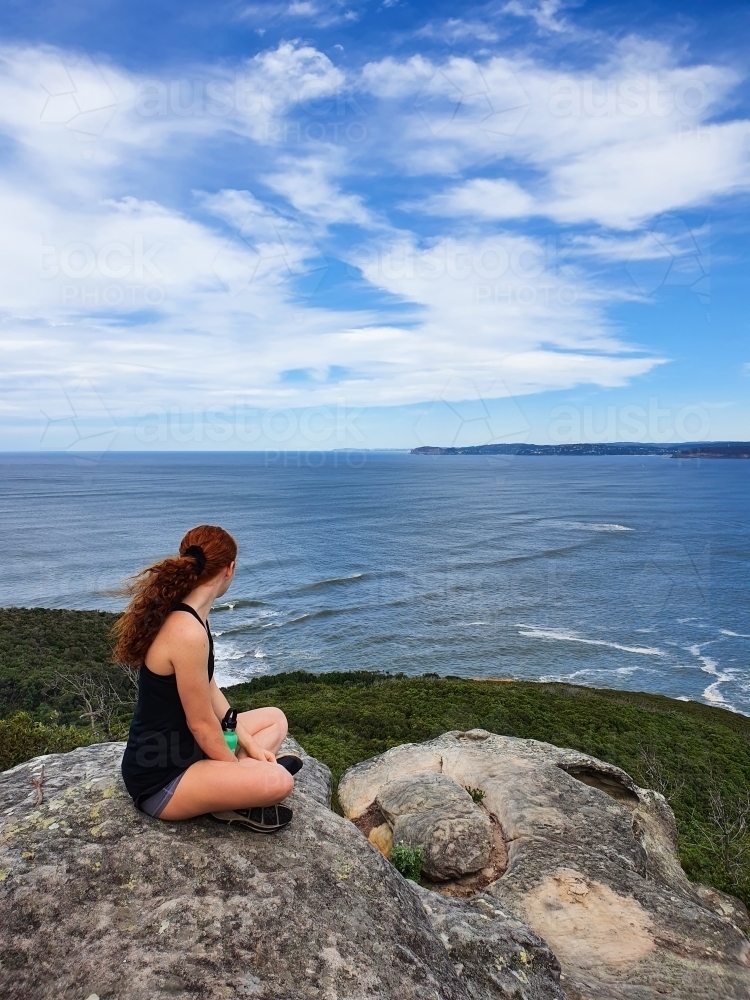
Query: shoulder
x,y
184,627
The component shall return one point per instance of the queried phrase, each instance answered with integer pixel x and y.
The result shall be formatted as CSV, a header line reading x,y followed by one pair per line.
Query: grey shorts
x,y
156,803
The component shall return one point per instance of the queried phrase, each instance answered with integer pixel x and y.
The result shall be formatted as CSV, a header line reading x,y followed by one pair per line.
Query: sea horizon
x,y
30,452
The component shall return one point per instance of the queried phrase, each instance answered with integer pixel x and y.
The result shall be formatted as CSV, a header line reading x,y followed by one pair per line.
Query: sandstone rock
x,y
361,783
725,905
495,949
382,837
433,811
592,867
99,900
314,780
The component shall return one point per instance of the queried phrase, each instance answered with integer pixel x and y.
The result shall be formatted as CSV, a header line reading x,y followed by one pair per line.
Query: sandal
x,y
265,819
290,761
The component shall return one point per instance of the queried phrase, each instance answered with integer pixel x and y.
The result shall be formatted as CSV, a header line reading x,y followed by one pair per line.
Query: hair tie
x,y
197,553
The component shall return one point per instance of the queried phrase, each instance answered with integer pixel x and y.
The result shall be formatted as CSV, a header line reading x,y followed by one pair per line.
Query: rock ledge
x,y
592,863
99,899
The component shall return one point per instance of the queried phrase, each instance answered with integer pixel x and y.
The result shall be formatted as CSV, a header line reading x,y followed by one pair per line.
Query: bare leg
x,y
267,726
216,785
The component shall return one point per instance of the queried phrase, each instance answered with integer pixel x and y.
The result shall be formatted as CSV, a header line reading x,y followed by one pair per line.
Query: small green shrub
x,y
408,860
22,738
477,794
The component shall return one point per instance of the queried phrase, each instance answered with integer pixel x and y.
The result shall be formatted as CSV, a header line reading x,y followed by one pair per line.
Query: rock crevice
x,y
592,866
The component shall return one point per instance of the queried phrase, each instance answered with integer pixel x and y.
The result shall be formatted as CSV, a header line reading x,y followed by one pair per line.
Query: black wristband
x,y
230,720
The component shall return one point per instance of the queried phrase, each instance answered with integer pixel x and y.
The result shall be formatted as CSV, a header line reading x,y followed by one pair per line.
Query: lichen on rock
x,y
100,900
592,865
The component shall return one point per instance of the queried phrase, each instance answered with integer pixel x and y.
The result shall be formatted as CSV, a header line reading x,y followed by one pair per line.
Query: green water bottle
x,y
229,727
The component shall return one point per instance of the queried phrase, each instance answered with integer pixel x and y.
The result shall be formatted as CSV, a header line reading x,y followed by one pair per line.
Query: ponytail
x,y
204,552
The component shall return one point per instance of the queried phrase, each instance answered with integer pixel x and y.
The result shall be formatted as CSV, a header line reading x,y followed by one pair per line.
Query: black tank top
x,y
160,745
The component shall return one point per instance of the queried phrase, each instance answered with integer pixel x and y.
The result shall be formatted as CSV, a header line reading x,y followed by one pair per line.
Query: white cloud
x,y
455,29
544,13
390,77
300,70
484,199
508,296
212,333
308,186
265,248
625,184
55,104
613,147
620,185
321,15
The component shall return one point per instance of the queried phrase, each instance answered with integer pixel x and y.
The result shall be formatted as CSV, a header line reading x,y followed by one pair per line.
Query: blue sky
x,y
385,224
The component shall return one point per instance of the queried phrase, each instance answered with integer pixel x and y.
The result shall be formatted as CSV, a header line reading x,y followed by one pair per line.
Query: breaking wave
x,y
562,635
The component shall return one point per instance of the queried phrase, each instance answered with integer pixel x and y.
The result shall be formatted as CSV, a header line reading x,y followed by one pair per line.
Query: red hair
x,y
158,588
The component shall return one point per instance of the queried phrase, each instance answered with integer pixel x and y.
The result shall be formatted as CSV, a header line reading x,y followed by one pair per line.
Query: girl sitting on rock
x,y
177,763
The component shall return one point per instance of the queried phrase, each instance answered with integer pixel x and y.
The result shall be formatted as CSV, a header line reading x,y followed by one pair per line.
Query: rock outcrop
x,y
592,865
99,900
432,810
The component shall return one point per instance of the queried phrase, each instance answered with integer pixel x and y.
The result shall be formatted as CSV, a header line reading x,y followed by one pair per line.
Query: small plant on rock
x,y
476,793
408,860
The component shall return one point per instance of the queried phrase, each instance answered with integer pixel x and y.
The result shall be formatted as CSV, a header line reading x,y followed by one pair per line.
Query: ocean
x,y
622,572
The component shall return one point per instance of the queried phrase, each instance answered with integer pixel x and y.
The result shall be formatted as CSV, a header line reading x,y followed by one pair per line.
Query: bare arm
x,y
251,745
219,702
253,749
189,654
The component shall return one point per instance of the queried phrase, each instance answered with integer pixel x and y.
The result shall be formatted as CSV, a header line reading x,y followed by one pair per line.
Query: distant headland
x,y
696,449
